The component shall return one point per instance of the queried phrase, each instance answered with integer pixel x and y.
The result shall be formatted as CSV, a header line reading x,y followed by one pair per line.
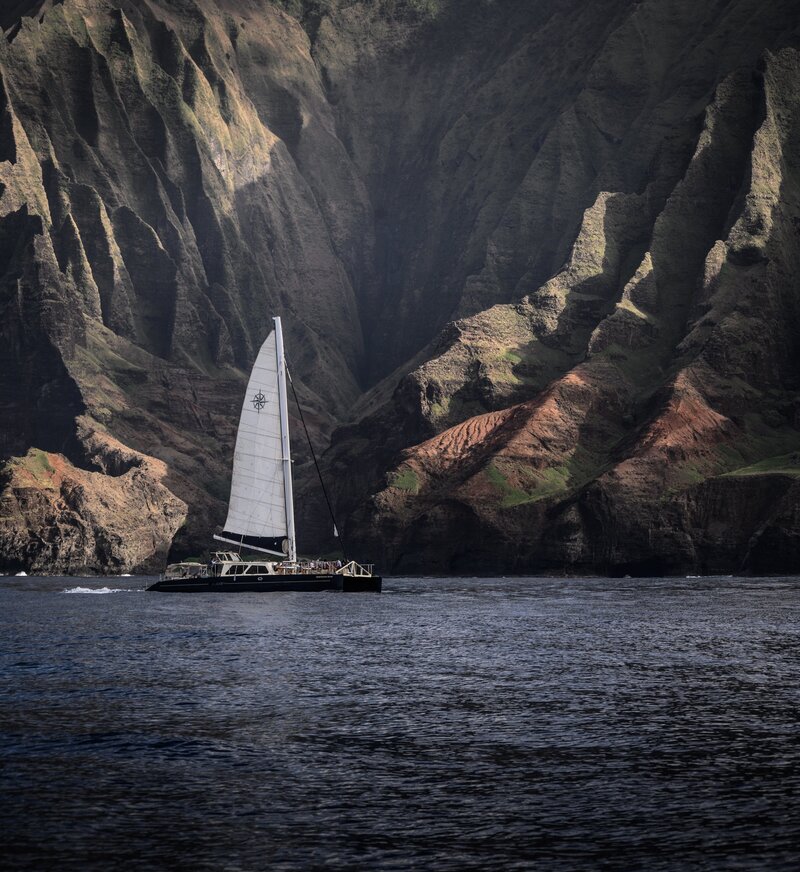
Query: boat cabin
x,y
229,564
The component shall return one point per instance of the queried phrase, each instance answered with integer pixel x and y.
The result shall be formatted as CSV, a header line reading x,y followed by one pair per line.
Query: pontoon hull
x,y
276,584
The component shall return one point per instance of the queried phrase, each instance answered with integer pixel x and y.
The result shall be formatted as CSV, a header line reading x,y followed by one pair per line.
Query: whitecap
x,y
95,590
21,575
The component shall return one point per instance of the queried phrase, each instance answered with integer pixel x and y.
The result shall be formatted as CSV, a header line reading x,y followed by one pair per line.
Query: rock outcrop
x,y
117,517
538,265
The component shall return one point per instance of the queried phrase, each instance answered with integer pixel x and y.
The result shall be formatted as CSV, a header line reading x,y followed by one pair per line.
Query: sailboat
x,y
261,506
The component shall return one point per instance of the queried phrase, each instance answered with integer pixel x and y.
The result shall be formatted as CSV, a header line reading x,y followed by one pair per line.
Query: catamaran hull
x,y
311,583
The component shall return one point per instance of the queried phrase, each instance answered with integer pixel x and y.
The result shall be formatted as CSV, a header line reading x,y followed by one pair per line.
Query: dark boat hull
x,y
270,583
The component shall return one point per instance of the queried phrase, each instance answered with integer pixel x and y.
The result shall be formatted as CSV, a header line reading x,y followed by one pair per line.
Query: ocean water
x,y
444,724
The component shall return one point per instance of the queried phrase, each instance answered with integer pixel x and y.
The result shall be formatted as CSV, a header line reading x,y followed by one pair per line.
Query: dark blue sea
x,y
445,724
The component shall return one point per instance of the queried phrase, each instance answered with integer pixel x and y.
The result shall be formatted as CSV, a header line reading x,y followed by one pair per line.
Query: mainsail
x,y
260,509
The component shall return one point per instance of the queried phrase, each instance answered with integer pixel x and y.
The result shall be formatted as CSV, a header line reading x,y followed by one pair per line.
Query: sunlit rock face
x,y
537,264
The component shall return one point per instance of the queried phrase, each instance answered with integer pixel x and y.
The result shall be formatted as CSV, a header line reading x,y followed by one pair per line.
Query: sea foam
x,y
95,590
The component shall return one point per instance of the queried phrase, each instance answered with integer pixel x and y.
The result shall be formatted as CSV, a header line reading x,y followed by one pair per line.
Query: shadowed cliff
x,y
537,265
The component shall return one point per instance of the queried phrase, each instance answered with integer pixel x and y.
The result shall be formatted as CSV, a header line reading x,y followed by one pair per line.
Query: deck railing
x,y
357,569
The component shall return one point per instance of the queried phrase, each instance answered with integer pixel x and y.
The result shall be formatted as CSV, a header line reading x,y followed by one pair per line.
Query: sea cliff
x,y
537,264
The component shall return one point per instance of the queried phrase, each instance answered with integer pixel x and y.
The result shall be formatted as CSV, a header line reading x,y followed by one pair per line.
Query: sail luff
x,y
283,405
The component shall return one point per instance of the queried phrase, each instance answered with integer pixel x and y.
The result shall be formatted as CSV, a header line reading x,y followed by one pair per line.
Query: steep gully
x,y
538,266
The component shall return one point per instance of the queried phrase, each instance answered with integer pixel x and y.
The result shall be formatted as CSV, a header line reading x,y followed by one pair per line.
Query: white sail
x,y
260,511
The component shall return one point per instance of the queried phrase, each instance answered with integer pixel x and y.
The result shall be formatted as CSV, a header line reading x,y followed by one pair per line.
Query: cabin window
x,y
256,570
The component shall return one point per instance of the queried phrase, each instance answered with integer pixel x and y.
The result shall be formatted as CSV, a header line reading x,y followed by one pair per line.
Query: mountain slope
x,y
537,263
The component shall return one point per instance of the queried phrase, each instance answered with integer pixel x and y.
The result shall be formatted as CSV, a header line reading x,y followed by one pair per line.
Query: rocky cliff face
x,y
538,265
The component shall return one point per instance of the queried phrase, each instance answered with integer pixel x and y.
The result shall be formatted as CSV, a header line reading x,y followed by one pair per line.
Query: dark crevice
x,y
8,142
154,277
84,111
38,398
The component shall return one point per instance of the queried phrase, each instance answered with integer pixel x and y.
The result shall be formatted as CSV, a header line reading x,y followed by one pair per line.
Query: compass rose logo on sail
x,y
259,401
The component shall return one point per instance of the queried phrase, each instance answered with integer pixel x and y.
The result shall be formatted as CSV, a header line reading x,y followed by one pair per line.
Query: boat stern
x,y
362,583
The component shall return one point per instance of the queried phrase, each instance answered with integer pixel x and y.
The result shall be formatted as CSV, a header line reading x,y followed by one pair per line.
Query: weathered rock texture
x,y
538,264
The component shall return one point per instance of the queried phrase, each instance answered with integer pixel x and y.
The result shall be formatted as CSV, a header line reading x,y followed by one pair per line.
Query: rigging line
x,y
314,458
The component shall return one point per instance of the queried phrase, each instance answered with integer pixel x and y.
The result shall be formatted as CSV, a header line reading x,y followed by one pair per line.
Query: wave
x,y
96,590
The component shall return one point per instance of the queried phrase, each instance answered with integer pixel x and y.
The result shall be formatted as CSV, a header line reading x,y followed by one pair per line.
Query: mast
x,y
285,448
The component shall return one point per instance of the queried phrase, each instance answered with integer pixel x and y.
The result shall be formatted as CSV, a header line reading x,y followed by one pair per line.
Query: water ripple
x,y
447,724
